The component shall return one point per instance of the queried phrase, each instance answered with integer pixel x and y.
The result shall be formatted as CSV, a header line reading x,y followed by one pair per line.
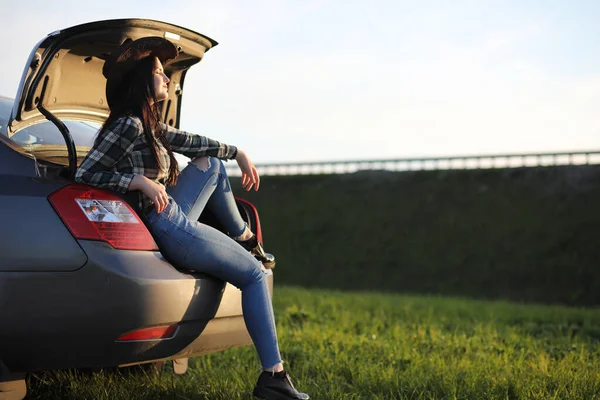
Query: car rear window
x,y
45,141
46,133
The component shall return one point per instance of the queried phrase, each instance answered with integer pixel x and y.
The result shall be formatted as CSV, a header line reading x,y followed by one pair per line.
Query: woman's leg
x,y
193,245
204,183
190,244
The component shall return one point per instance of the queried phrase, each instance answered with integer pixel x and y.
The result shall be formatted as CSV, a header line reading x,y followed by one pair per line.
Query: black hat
x,y
125,58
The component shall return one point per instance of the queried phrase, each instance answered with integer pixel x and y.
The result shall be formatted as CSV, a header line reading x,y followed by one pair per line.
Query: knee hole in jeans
x,y
203,163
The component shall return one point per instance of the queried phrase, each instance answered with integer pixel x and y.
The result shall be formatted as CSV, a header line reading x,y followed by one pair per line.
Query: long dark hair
x,y
135,96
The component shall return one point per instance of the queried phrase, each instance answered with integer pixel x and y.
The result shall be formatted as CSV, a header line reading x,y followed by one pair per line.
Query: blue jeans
x,y
192,245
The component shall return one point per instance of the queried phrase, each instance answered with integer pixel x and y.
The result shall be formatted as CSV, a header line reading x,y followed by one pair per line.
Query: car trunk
x,y
62,79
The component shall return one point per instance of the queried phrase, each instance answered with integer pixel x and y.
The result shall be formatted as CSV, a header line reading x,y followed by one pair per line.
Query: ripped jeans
x,y
193,245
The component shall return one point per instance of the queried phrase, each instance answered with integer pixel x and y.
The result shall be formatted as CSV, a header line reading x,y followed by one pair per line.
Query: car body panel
x,y
37,240
75,317
15,162
64,70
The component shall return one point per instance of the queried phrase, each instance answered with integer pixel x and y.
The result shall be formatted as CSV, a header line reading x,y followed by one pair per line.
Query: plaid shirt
x,y
122,152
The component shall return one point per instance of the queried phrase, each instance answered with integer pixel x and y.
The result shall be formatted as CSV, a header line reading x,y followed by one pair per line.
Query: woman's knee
x,y
254,275
207,163
203,163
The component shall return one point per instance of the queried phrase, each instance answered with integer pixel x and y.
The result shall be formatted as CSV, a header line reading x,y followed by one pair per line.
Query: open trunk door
x,y
63,75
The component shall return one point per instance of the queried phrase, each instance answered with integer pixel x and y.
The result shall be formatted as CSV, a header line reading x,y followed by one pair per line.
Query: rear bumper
x,y
52,320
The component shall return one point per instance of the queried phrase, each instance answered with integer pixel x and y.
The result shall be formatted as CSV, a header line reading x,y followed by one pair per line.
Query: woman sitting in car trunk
x,y
133,155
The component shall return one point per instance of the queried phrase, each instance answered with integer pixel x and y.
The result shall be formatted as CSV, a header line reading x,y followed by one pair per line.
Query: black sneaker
x,y
256,249
277,386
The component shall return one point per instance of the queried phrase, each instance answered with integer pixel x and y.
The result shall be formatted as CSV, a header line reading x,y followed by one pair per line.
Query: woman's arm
x,y
108,149
250,177
153,190
193,146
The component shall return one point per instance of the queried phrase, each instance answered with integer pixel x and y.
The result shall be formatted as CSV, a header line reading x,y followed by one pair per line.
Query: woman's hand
x,y
250,176
155,191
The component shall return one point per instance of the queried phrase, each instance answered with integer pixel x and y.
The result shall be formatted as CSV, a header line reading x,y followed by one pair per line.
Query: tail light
x,y
94,214
154,333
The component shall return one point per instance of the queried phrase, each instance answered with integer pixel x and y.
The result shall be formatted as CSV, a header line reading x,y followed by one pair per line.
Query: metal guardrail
x,y
426,163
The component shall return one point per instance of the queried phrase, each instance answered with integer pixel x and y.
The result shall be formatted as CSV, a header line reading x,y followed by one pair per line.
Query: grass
x,y
360,345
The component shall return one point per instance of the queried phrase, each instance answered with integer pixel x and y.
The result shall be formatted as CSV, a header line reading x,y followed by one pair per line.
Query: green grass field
x,y
358,345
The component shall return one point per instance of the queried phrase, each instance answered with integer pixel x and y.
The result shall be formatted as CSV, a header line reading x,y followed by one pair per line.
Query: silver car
x,y
80,287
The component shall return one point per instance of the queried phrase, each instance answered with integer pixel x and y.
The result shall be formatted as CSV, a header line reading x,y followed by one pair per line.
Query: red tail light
x,y
154,333
94,214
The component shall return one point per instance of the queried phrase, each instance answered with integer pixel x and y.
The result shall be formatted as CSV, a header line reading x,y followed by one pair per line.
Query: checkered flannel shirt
x,y
122,152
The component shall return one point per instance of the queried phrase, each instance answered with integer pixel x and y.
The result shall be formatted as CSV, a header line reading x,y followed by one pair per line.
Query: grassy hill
x,y
525,234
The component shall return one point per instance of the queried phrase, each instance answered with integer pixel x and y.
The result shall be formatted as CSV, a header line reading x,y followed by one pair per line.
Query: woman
x,y
133,155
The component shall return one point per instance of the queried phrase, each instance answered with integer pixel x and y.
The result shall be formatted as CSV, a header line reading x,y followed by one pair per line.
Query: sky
x,y
344,80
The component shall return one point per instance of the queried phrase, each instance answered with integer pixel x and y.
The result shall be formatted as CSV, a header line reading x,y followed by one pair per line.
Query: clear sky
x,y
342,79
